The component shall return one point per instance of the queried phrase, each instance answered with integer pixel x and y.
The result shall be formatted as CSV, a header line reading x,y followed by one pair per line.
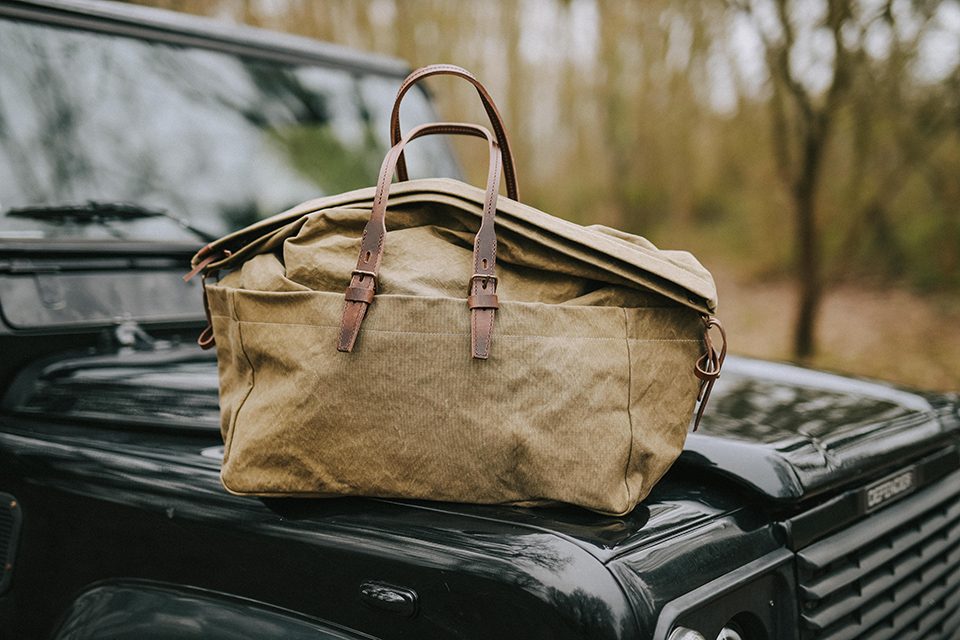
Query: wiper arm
x,y
95,212
90,211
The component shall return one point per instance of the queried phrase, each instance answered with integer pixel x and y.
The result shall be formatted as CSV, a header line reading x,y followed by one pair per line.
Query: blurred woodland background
x,y
808,152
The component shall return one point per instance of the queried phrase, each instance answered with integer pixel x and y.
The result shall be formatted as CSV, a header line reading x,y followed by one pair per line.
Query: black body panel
x,y
156,610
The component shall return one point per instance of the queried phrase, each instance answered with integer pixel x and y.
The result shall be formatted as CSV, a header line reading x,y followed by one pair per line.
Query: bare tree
x,y
802,122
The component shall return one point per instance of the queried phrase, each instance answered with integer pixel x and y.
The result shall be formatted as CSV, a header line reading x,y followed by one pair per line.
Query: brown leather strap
x,y
205,339
483,284
709,364
357,294
483,301
187,277
509,172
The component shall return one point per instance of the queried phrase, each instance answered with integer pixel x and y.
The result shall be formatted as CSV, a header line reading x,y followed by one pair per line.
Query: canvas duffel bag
x,y
480,351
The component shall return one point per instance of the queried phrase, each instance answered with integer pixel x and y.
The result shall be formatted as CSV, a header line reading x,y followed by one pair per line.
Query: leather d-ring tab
x,y
205,339
708,366
200,267
483,301
360,294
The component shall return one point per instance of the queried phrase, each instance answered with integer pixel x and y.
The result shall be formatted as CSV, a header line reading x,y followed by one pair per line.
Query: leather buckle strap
x,y
483,303
361,291
482,299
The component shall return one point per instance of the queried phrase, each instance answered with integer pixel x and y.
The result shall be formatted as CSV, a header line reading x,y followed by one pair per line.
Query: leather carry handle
x,y
482,288
509,172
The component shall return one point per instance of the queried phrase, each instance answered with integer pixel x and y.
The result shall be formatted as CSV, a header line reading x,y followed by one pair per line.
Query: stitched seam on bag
x,y
626,336
236,414
490,332
342,325
343,315
672,306
473,327
450,333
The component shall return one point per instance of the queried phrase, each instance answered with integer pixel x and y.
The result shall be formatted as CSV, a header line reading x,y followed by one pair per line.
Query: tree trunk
x,y
808,247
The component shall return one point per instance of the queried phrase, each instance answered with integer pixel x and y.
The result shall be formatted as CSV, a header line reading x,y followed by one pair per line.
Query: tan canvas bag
x,y
480,351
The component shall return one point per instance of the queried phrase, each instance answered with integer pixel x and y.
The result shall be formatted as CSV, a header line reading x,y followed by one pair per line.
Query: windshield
x,y
210,138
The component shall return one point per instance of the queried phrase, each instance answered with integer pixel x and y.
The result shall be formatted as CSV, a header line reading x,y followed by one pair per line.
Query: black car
x,y
808,506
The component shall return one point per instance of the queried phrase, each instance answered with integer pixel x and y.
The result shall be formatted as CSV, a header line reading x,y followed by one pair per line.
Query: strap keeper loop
x,y
359,294
483,301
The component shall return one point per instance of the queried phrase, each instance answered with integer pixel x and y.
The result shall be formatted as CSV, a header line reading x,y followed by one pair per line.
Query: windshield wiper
x,y
94,212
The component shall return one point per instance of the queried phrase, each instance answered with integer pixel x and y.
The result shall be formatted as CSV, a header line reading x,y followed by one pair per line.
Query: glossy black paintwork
x,y
11,516
791,433
156,610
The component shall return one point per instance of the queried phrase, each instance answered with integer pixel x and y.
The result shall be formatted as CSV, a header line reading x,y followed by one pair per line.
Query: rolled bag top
x,y
614,256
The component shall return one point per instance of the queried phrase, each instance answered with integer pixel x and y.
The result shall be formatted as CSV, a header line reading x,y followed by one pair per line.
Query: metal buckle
x,y
484,277
376,280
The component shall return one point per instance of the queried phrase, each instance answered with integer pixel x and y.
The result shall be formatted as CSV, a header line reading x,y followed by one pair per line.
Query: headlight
x,y
740,605
730,631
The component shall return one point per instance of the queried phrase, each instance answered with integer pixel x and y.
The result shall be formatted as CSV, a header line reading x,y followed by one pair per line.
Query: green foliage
x,y
316,152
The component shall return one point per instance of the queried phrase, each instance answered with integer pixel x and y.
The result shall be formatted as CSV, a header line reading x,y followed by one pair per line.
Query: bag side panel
x,y
233,366
663,350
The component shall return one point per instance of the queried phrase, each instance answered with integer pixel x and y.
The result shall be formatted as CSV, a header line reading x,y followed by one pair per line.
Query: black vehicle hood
x,y
783,432
791,433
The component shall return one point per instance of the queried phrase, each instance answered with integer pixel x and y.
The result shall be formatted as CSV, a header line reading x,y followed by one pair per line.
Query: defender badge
x,y
890,488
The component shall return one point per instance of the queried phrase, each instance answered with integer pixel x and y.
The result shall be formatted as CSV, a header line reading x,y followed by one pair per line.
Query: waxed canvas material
x,y
585,399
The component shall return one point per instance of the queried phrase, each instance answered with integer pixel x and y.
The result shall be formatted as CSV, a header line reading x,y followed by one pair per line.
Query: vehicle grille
x,y
894,574
9,528
6,531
